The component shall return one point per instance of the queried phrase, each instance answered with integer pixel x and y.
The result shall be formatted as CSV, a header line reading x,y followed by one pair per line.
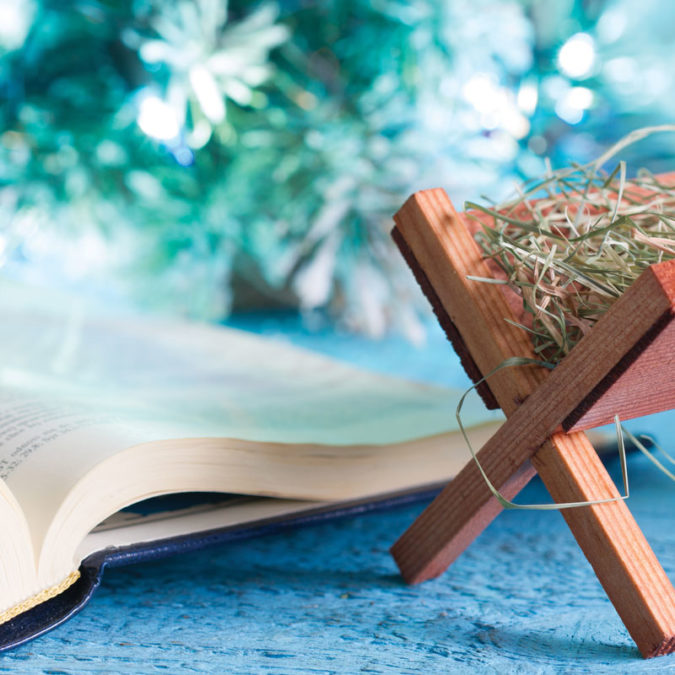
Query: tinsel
x,y
195,156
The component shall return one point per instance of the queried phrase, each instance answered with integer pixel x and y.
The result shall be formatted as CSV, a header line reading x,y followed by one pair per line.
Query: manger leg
x,y
612,542
607,533
446,528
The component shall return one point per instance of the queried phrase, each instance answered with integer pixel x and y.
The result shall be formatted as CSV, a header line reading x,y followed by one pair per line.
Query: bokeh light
x,y
577,56
197,157
157,119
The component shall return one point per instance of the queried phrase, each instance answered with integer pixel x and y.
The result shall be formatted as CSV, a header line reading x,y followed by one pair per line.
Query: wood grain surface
x,y
632,577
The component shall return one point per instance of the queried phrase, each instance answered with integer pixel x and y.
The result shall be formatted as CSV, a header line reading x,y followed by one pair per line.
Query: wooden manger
x,y
623,366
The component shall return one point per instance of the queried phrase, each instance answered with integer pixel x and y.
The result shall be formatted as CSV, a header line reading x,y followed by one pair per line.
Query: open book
x,y
99,412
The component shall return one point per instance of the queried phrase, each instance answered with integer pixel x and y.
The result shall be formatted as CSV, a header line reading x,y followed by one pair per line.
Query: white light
x,y
515,123
577,56
527,98
570,108
579,97
480,91
209,97
569,115
496,106
16,17
157,119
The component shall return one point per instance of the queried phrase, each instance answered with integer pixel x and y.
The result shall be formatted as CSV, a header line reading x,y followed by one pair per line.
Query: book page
x,y
77,385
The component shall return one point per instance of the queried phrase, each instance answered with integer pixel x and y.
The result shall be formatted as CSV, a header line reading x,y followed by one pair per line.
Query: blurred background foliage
x,y
197,156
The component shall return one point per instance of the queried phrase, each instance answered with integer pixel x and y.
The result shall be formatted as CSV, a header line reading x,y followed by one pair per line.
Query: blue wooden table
x,y
328,599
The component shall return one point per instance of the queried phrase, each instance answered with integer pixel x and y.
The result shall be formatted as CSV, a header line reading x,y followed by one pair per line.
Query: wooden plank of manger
x,y
593,383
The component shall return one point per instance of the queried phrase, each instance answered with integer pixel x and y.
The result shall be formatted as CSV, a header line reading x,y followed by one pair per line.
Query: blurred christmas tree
x,y
195,155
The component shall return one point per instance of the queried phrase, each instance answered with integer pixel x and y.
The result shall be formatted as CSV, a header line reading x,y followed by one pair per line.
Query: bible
x,y
102,415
